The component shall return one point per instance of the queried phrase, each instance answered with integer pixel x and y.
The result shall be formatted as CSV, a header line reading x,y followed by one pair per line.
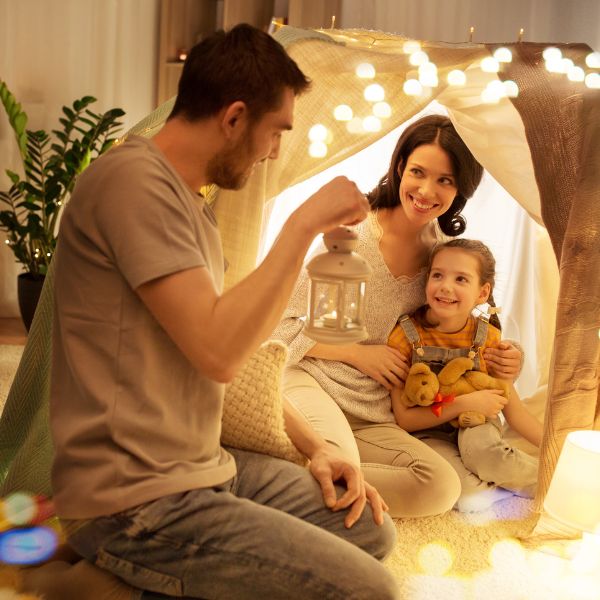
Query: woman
x,y
343,391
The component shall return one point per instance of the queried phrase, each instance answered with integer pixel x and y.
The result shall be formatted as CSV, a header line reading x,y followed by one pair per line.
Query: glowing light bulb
x,y
576,73
7,241
365,71
374,93
566,64
317,149
592,60
503,55
411,46
428,74
418,58
342,112
592,80
457,77
551,53
511,89
371,123
490,96
317,133
412,87
554,65
490,65
382,110
355,125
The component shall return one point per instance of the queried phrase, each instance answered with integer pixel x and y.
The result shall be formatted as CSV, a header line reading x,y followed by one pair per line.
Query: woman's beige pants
x,y
415,477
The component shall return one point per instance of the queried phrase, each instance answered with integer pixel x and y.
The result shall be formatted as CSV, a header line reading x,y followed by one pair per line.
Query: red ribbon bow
x,y
439,401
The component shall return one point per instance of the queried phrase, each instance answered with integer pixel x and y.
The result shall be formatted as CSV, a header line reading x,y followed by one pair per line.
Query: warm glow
x,y
592,80
371,123
574,494
506,552
355,125
317,133
342,112
317,149
382,110
374,93
493,91
576,73
411,46
554,64
511,89
412,87
592,60
428,74
490,65
418,58
457,77
435,559
503,55
567,64
365,71
551,53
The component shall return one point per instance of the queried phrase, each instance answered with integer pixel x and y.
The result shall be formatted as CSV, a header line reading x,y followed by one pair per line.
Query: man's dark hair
x,y
242,64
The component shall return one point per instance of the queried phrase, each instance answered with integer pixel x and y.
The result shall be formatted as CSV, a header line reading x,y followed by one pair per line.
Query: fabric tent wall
x,y
543,147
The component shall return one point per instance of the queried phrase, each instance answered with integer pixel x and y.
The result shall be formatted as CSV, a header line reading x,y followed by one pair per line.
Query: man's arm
x,y
327,465
218,333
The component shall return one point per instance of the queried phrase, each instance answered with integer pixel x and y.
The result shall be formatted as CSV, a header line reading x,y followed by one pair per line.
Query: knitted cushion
x,y
253,408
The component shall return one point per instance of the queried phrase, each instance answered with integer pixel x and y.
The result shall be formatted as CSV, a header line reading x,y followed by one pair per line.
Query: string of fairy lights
x,y
425,77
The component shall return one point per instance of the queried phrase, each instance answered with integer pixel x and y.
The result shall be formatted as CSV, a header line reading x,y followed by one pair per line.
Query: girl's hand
x,y
488,402
384,364
503,362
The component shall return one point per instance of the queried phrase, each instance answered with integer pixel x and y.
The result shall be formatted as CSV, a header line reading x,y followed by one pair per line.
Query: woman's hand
x,y
503,362
384,364
488,402
327,466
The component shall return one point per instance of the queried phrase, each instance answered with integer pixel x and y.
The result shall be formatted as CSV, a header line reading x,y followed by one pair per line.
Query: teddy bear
x,y
424,388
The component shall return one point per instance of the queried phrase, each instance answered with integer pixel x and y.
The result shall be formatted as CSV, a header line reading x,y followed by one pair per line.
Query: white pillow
x,y
253,406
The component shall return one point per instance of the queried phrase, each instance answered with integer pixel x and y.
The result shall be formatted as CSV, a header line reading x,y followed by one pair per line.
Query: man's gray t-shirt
x,y
132,420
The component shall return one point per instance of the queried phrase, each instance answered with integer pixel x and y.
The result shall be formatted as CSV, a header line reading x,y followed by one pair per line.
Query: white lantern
x,y
338,281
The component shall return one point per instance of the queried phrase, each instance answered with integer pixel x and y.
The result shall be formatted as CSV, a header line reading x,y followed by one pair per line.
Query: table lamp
x,y
338,280
574,494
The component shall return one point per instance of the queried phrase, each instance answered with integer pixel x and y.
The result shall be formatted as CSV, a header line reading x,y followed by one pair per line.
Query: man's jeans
x,y
264,534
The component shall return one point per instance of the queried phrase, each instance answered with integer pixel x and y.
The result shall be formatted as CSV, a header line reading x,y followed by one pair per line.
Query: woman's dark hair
x,y
242,64
432,129
487,273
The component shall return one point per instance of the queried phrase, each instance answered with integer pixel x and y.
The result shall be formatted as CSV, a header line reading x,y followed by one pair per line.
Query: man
x,y
144,340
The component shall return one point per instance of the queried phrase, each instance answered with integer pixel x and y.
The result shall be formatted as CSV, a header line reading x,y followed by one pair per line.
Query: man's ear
x,y
234,119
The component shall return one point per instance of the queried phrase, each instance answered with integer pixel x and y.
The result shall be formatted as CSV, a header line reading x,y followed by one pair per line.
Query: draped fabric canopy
x,y
543,147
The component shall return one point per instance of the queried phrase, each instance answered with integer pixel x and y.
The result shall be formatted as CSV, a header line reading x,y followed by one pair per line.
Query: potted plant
x,y
30,209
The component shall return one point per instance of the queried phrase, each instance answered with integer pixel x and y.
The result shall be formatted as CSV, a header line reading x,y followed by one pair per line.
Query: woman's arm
x,y
521,420
415,418
383,363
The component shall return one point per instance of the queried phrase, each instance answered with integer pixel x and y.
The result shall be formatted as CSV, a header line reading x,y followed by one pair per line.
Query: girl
x,y
461,277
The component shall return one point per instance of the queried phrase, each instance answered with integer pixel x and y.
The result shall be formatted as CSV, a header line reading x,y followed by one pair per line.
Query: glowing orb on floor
x,y
27,546
435,559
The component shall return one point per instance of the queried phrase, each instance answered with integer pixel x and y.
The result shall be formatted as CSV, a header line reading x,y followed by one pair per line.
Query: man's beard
x,y
226,170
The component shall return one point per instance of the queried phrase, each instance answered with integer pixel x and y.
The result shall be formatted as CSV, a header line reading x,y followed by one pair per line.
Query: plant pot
x,y
29,288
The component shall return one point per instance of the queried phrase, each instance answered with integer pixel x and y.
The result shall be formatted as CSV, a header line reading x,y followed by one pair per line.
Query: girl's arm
x,y
415,418
521,420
